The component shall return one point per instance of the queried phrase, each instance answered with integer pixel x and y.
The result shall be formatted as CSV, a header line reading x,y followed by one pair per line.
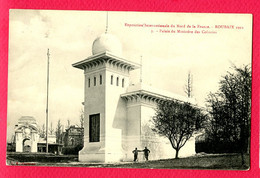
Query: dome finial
x,y
107,42
107,23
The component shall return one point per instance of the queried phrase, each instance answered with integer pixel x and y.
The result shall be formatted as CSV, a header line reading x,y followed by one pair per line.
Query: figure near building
x,y
146,153
135,151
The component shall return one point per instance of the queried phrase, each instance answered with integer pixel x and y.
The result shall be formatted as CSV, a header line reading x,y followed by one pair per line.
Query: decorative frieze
x,y
106,60
142,97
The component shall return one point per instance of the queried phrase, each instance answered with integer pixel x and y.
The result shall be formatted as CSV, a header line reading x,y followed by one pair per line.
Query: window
x,y
89,82
117,81
95,80
111,79
100,78
123,83
94,128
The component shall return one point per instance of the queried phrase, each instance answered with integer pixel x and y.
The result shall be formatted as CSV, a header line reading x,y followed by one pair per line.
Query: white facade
x,y
117,116
26,135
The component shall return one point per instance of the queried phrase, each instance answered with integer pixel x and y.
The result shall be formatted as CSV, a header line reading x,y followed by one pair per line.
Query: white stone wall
x,y
18,142
139,115
133,129
94,103
33,140
115,115
105,99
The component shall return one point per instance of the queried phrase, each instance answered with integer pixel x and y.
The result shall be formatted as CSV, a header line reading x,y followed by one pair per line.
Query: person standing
x,y
135,151
146,153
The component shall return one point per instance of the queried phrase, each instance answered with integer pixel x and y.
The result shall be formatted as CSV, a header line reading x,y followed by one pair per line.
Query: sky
x,y
167,58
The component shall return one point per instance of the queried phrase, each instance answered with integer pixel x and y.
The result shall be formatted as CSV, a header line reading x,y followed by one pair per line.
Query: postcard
x,y
129,89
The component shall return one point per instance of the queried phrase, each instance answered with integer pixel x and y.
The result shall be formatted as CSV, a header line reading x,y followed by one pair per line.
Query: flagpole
x,y
48,56
141,69
107,23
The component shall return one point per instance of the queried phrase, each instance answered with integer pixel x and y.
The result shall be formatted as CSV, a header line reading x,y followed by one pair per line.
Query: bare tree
x,y
81,119
178,122
68,123
51,130
188,88
59,132
42,131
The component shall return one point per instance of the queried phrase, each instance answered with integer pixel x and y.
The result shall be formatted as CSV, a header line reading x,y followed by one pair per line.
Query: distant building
x,y
27,138
72,140
53,147
26,135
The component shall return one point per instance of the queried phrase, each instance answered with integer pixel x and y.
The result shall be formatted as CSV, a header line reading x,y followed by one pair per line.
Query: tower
x,y
105,116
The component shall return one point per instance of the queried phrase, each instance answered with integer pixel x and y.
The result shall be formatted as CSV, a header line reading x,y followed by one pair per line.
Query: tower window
x,y
95,81
111,79
94,128
100,78
117,81
123,83
89,82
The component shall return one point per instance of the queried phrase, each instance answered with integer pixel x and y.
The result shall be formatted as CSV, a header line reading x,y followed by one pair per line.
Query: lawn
x,y
207,161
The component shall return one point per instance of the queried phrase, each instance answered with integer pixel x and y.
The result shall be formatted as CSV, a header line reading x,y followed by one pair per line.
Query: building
x,y
27,138
53,147
117,114
72,140
26,135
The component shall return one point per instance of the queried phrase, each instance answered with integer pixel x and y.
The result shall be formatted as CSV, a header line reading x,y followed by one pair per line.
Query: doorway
x,y
26,145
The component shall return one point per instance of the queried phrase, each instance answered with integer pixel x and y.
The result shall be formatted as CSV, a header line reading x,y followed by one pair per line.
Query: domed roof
x,y
27,119
107,42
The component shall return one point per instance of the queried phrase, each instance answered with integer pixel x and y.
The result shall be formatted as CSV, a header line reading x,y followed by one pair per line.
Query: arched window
x,y
100,78
117,81
111,79
95,81
89,82
123,83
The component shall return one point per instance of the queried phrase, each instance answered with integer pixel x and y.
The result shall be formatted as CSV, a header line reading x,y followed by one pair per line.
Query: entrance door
x,y
26,145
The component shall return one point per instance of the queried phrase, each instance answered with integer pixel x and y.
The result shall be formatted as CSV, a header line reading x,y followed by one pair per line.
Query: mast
x,y
107,23
47,104
141,62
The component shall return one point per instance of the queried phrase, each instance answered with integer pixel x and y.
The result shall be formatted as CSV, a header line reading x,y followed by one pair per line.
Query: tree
x,y
230,108
59,132
51,130
42,131
68,123
81,118
188,87
178,122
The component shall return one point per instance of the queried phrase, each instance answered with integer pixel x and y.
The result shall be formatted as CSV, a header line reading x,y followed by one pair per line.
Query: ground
x,y
200,161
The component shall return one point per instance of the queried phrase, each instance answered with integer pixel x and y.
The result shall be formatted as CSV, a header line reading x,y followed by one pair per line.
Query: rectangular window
x,y
89,82
117,81
95,80
123,83
111,79
100,77
94,128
